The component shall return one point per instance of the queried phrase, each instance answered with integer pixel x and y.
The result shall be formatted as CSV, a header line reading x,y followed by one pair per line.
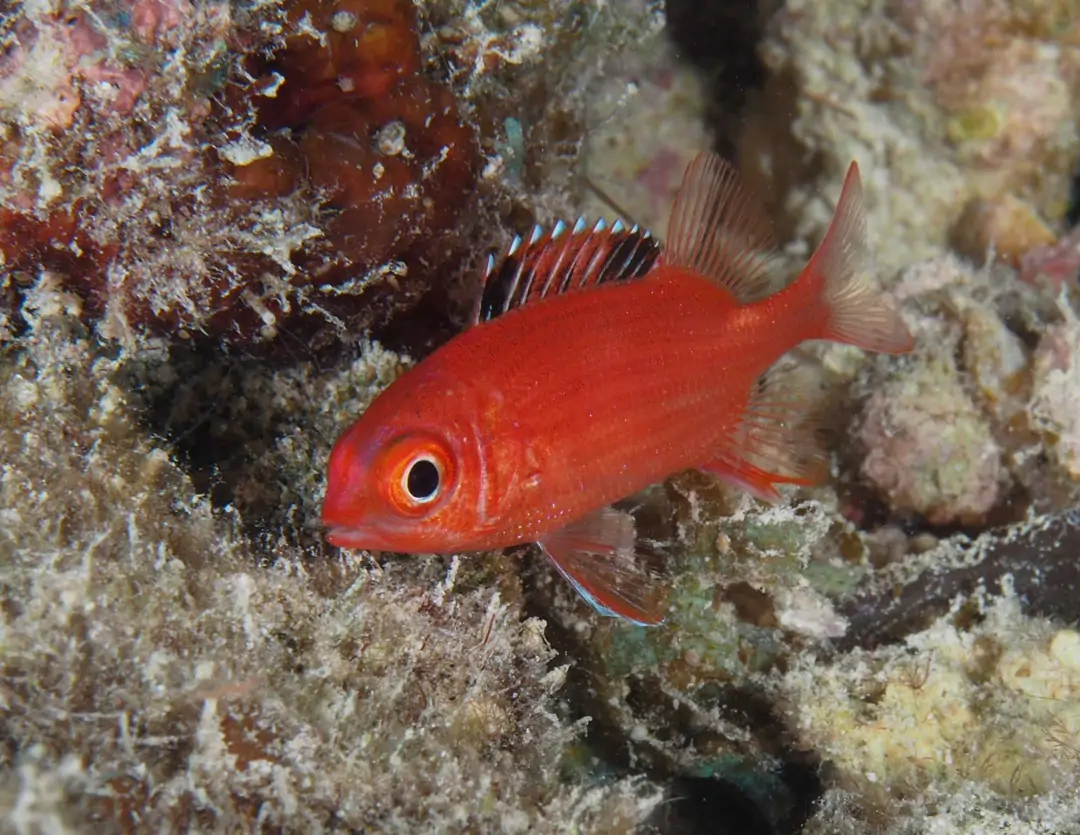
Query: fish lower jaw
x,y
353,538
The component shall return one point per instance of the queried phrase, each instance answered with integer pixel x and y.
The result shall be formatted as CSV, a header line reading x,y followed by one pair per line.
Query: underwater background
x,y
226,227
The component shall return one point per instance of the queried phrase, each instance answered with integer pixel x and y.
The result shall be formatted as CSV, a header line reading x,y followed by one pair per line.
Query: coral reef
x,y
768,605
961,432
1034,559
750,590
635,174
305,165
1052,410
944,103
1004,226
179,649
197,190
155,675
224,671
970,809
544,81
1056,263
1016,736
969,722
379,145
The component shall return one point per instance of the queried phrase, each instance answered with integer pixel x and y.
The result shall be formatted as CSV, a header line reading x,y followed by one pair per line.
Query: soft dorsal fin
x,y
561,261
720,232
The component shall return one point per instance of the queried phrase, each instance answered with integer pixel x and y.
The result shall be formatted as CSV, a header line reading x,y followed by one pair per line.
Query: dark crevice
x,y
1072,213
720,39
697,805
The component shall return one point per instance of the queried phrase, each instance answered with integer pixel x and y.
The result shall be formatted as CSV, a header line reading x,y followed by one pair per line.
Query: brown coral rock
x,y
369,157
328,214
352,49
928,450
1005,225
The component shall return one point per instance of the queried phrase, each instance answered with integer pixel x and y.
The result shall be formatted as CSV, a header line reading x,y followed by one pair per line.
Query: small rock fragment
x,y
928,449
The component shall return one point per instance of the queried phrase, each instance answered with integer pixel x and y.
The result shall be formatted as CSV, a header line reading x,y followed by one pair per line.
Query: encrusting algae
x,y
156,676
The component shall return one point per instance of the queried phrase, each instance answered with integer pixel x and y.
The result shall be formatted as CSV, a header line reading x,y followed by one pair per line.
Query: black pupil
x,y
423,479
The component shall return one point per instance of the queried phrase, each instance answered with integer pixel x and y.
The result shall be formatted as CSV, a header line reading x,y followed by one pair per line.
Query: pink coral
x,y
51,60
150,18
1054,264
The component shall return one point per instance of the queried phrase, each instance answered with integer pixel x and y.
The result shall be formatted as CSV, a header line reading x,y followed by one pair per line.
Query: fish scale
x,y
665,433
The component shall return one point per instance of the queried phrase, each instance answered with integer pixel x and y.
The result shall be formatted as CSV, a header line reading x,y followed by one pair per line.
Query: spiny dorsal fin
x,y
564,260
720,232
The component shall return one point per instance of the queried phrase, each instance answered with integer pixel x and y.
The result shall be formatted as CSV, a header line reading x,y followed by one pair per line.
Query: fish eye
x,y
422,480
416,473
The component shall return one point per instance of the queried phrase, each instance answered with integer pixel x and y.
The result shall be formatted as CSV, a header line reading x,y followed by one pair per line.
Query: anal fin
x,y
755,481
779,438
598,556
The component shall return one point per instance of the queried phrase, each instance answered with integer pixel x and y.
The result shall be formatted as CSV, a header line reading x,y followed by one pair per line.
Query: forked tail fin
x,y
778,438
855,313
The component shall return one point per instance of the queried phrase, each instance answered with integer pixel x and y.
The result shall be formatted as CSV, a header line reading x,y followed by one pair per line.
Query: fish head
x,y
408,476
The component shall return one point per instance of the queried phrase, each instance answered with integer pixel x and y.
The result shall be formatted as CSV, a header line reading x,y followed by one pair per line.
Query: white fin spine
x,y
563,260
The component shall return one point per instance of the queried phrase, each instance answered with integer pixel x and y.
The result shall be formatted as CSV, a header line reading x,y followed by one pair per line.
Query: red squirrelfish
x,y
600,363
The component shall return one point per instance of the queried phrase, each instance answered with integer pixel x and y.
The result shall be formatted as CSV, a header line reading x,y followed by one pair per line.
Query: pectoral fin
x,y
598,555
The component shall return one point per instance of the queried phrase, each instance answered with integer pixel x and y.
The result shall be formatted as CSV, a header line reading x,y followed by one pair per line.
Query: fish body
x,y
526,427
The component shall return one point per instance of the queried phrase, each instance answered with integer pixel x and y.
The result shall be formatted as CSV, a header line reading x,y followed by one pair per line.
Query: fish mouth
x,y
344,537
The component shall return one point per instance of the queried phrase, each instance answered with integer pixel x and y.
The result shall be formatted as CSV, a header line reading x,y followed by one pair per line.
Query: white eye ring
x,y
423,485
